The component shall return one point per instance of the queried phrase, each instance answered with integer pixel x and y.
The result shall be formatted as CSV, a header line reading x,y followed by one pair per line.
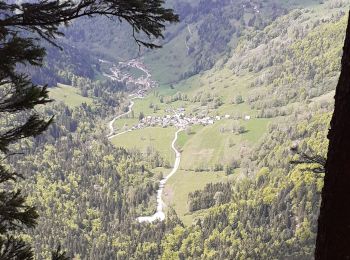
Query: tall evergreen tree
x,y
333,237
22,26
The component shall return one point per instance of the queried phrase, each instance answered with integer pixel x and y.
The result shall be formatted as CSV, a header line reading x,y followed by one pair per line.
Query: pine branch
x,y
14,248
59,254
14,213
310,159
45,17
33,127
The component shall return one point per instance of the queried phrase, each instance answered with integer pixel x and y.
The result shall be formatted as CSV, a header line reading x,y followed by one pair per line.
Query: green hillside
x,y
68,95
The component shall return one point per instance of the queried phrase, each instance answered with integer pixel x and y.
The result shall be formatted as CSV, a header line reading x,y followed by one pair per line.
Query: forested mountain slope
x,y
208,30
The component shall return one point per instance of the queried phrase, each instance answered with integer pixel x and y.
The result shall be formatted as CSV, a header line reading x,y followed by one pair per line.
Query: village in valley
x,y
173,117
118,73
178,119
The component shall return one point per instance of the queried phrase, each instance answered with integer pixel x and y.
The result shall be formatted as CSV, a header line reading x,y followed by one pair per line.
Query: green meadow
x,y
181,184
69,95
157,138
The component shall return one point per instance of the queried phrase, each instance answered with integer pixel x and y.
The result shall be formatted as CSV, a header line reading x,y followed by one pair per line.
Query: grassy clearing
x,y
208,146
157,138
185,136
212,145
255,129
181,184
68,95
220,82
144,106
123,124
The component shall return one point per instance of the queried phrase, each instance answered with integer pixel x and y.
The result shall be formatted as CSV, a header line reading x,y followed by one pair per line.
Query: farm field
x,y
182,183
157,138
68,95
216,144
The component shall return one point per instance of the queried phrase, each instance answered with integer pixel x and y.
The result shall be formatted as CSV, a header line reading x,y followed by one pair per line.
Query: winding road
x,y
159,215
111,123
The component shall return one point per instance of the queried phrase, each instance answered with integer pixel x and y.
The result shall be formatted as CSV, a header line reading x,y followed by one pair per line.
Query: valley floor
x,y
205,149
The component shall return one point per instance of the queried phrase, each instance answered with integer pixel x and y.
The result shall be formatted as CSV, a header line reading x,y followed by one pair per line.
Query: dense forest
x,y
89,192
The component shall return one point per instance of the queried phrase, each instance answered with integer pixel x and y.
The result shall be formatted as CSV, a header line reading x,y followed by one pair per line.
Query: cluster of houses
x,y
179,120
120,76
176,120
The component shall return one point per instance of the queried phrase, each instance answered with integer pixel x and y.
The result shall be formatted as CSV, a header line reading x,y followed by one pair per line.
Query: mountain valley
x,y
239,91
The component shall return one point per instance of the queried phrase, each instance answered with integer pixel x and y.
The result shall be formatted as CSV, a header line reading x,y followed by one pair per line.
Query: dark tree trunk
x,y
333,237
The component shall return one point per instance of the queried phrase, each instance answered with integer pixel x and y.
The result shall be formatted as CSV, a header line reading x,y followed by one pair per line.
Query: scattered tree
x,y
141,116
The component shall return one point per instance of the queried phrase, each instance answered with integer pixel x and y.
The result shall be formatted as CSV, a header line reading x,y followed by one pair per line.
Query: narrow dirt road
x,y
160,215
